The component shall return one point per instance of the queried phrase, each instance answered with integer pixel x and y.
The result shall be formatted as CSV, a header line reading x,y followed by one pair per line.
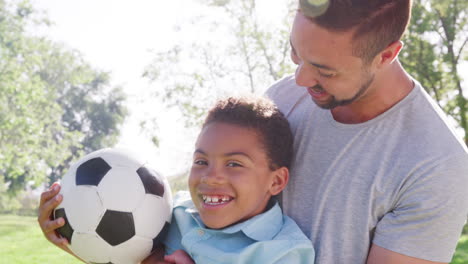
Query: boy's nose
x,y
213,176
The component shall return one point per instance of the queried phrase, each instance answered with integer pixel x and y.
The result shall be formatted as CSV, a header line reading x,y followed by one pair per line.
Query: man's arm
x,y
380,255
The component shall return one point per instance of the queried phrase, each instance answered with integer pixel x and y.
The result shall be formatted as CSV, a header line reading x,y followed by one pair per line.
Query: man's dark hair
x,y
261,115
376,23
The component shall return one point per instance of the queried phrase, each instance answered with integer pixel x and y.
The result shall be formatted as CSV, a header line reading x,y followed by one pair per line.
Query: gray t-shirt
x,y
399,180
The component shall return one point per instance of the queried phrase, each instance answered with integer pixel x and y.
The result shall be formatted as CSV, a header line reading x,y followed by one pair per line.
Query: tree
x,y
52,103
27,116
253,55
435,47
92,110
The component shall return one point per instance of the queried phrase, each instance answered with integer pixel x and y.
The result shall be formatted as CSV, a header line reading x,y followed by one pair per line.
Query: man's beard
x,y
333,102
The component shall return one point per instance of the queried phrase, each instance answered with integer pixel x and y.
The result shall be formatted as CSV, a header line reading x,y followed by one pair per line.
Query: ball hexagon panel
x,y
66,230
92,171
120,183
91,247
116,227
122,158
152,181
151,208
83,207
125,252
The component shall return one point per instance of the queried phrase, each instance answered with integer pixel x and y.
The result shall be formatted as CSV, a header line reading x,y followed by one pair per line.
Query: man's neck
x,y
389,87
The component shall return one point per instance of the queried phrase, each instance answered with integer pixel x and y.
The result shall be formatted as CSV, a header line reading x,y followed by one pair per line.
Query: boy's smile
x,y
230,180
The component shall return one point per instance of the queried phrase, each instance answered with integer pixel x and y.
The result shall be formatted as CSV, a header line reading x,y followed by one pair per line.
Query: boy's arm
x,y
50,199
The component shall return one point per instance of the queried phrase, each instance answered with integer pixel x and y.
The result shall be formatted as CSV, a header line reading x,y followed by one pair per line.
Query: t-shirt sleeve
x,y
428,217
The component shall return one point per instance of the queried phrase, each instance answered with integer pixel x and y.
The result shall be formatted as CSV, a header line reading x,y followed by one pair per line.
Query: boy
x,y
241,160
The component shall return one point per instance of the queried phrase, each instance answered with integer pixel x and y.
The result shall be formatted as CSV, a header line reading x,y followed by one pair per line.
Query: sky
x,y
119,36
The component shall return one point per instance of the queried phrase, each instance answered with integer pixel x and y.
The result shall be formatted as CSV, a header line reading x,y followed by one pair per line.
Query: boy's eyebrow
x,y
318,65
238,153
226,154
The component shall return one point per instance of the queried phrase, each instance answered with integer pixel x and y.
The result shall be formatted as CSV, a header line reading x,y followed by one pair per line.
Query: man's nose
x,y
304,76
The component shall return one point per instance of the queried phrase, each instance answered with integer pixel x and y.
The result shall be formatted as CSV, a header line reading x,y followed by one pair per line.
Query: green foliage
x,y
91,109
435,43
20,234
53,105
461,253
251,58
21,242
179,183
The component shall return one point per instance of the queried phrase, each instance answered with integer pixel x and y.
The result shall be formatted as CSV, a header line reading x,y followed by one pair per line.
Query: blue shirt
x,y
270,237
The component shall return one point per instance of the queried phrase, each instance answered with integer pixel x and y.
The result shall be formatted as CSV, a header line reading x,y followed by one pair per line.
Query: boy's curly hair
x,y
261,115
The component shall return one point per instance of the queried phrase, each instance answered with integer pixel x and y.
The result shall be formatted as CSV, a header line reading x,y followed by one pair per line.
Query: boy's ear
x,y
280,179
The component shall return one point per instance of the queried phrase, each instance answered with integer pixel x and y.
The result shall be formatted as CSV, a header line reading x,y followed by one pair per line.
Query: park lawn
x,y
461,254
21,242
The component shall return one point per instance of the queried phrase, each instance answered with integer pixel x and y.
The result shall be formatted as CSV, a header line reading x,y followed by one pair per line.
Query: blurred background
x,y
77,76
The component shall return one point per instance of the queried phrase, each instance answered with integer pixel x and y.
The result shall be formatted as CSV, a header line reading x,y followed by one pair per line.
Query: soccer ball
x,y
116,208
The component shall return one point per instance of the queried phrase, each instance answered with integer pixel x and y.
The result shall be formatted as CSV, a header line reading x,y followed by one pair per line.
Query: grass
x,y
21,242
461,254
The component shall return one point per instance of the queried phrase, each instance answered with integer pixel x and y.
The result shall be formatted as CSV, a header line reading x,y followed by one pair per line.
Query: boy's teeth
x,y
215,199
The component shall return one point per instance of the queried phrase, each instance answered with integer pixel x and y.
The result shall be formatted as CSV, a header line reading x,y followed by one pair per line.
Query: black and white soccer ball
x,y
116,208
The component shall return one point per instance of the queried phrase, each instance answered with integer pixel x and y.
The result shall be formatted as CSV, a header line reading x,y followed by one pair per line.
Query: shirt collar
x,y
260,227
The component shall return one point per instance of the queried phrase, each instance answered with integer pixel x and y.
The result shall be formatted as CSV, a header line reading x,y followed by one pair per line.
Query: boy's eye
x,y
234,164
200,162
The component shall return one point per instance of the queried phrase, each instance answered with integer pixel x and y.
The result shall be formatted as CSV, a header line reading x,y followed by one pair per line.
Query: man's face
x,y
325,65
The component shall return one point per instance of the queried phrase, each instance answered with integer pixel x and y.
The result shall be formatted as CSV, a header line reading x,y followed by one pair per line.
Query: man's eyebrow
x,y
321,66
318,65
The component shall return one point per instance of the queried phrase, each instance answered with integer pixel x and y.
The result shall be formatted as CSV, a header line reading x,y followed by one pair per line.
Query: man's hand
x,y
380,255
179,257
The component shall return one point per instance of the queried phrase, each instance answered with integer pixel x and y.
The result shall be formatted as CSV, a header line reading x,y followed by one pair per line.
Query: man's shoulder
x,y
286,94
431,125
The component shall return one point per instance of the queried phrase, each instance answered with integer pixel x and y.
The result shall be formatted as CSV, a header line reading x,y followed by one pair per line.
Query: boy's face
x,y
230,180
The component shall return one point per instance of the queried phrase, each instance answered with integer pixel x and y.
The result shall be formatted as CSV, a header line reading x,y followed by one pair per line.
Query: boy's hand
x,y
50,199
179,257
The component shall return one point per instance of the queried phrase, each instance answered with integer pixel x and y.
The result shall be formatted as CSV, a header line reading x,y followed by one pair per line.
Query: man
x,y
378,175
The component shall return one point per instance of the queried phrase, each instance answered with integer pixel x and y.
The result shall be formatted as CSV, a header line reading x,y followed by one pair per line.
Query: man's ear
x,y
280,179
389,54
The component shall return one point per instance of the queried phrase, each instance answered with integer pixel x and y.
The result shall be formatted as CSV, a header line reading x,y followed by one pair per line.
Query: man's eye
x,y
326,75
